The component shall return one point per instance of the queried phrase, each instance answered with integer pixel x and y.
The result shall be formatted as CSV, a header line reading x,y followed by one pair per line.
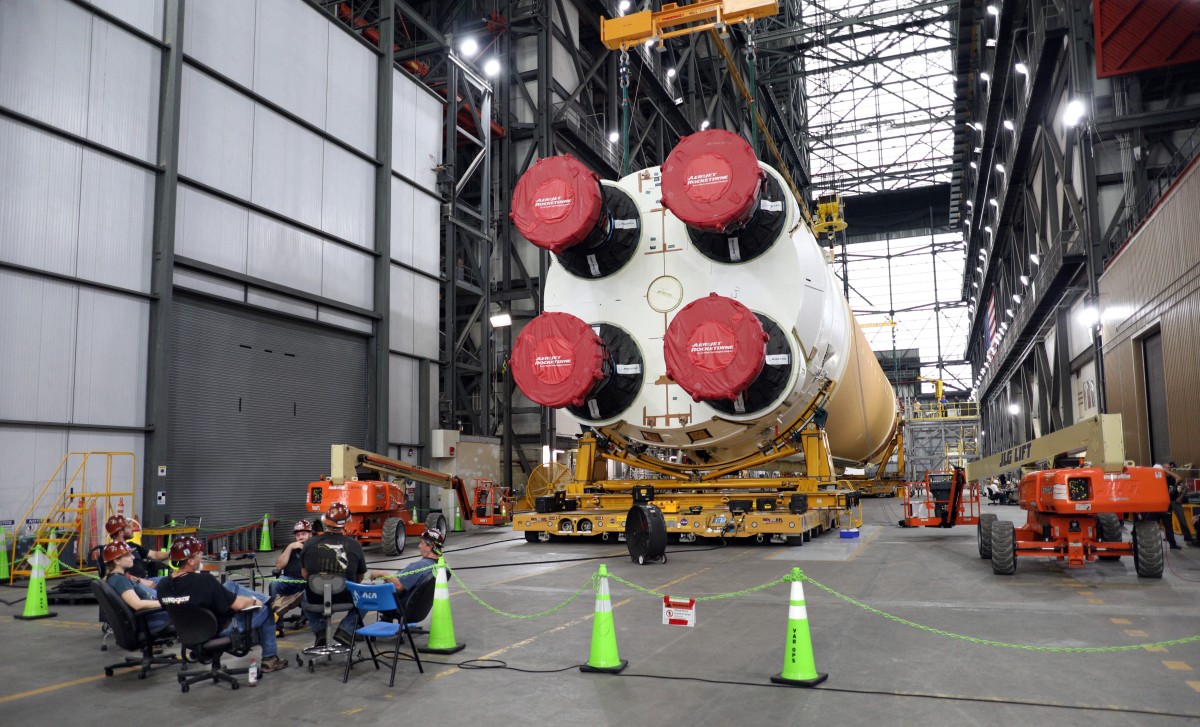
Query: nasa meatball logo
x,y
708,178
712,346
553,200
553,360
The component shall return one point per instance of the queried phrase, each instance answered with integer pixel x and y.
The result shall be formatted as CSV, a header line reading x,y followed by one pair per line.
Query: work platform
x,y
880,671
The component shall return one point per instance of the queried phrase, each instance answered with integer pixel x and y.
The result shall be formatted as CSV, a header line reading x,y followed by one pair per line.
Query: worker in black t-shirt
x,y
333,552
120,529
189,585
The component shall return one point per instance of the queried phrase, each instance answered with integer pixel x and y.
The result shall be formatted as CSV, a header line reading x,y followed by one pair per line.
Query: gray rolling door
x,y
1156,399
255,402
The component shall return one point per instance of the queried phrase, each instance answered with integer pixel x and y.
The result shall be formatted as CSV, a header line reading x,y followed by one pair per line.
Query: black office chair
x,y
198,631
97,562
328,585
131,632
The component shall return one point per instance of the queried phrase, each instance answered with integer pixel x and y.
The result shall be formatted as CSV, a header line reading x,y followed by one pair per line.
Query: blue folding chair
x,y
380,597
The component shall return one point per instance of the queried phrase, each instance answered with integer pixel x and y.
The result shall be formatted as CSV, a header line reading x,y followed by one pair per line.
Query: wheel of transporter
x,y
1108,530
394,536
1004,557
983,533
1147,550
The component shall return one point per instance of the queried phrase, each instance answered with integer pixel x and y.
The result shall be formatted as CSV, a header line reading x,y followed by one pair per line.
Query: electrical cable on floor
x,y
1167,558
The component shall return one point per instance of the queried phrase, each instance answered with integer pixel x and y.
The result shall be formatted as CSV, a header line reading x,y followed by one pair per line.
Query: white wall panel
x,y
44,58
403,92
350,109
30,455
216,128
426,302
110,359
400,328
346,275
290,55
348,196
281,303
402,399
402,221
210,229
287,168
426,131
116,222
427,233
39,199
220,34
145,15
283,254
123,91
125,471
345,320
193,280
37,347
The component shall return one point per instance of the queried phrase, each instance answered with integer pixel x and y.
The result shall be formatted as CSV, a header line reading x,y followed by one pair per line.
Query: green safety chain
x,y
593,582
719,596
624,75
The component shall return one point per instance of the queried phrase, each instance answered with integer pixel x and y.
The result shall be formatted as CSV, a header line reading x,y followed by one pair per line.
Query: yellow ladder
x,y
78,510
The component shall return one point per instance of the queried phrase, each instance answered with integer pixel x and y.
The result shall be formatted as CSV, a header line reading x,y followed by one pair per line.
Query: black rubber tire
x,y
394,536
983,534
1004,557
1147,549
531,536
795,540
1108,530
438,521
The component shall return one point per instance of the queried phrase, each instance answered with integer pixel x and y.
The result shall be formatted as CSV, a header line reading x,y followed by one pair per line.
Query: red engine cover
x,y
556,203
714,348
557,360
711,180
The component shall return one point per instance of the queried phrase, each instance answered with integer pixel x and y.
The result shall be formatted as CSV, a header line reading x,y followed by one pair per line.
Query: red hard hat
x,y
337,515
115,524
112,551
302,526
436,539
185,547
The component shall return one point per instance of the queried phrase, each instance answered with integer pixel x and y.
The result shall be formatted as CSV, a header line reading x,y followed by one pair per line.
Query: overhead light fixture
x,y
670,73
1009,312
970,203
1033,256
1014,409
1021,68
1016,299
1008,124
994,203
978,126
973,165
973,299
1024,280
987,229
982,255
1000,167
978,149
993,10
500,320
704,125
975,284
614,136
985,76
623,5
1088,316
650,43
978,269
1073,113
492,67
469,47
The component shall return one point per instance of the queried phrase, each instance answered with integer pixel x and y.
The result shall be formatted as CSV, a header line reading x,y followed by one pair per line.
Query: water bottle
x,y
252,675
224,553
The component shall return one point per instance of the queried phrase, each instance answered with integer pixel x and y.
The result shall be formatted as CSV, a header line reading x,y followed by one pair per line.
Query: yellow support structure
x,y
674,20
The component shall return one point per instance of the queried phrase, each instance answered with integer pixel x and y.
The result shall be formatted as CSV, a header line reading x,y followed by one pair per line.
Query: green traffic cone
x,y
53,570
604,657
4,573
264,542
441,623
799,669
36,605
458,524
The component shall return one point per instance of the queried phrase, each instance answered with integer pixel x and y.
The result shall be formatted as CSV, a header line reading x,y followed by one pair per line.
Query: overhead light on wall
x,y
982,255
1000,167
1016,299
1014,409
500,320
1073,113
987,229
704,125
985,76
1021,68
614,136
970,203
973,165
993,10
978,269
1008,124
670,73
975,284
492,67
623,5
994,203
469,47
1008,312
1033,257
1088,316
1024,280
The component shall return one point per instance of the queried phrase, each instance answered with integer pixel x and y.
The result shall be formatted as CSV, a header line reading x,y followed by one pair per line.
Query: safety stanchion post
x,y
799,668
604,657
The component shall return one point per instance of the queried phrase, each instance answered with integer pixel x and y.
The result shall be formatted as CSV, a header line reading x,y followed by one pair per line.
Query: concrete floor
x,y
881,671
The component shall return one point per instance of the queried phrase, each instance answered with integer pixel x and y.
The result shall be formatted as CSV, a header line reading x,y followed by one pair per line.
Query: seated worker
x,y
289,589
120,528
410,577
333,552
189,585
138,593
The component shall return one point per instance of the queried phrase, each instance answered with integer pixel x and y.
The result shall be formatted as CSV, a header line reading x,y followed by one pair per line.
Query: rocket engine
x,y
693,309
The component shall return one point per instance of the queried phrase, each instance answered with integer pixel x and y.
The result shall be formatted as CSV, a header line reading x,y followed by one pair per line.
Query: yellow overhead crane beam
x,y
673,20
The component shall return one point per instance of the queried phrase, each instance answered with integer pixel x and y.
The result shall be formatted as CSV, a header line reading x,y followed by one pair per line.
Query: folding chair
x,y
380,598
